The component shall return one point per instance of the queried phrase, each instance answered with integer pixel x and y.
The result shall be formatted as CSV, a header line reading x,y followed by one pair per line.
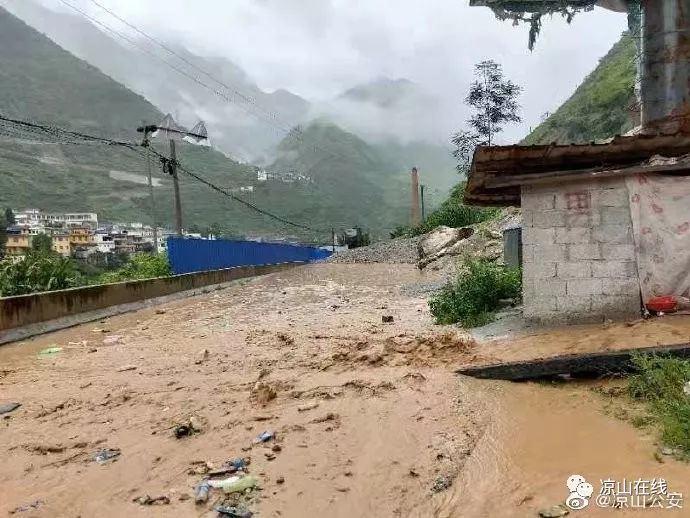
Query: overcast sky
x,y
318,48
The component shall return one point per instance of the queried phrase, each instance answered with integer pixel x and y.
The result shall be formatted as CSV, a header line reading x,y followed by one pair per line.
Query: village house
x,y
588,231
606,225
61,243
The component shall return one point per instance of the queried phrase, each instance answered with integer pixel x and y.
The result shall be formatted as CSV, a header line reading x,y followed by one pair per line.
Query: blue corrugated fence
x,y
197,255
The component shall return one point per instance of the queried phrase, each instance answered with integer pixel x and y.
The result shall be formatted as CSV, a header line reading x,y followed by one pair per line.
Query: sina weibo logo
x,y
580,492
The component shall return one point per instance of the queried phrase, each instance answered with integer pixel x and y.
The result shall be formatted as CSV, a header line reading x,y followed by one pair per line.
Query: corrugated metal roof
x,y
497,172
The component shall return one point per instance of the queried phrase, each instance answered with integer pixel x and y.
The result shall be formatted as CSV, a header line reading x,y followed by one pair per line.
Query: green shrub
x,y
474,296
659,382
38,271
140,266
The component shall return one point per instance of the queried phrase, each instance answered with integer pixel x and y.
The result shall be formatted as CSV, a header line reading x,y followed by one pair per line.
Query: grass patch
x,y
659,383
473,298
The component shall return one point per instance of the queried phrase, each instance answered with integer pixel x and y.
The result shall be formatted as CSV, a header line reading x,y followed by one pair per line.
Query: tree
x,y
9,217
494,99
140,266
42,243
3,235
215,230
37,272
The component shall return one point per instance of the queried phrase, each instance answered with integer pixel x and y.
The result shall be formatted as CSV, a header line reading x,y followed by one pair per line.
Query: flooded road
x,y
369,417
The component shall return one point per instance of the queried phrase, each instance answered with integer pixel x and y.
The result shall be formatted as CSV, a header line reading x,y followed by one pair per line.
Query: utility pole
x,y
176,187
152,202
421,190
414,212
147,130
169,167
333,240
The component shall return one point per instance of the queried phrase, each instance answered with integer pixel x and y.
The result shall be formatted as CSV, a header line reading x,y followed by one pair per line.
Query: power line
x,y
61,133
162,60
286,127
291,132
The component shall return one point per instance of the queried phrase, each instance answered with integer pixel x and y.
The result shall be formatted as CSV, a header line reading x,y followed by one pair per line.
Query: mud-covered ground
x,y
369,417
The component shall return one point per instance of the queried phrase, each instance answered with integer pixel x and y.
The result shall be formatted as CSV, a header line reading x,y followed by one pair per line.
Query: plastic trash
x,y
9,407
232,512
106,455
202,491
235,484
49,351
265,437
662,304
238,463
220,484
183,431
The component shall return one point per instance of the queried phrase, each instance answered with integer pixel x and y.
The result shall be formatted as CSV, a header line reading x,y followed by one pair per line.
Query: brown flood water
x,y
541,435
392,417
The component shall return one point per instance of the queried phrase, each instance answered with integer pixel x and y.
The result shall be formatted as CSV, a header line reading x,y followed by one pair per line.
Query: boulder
x,y
441,238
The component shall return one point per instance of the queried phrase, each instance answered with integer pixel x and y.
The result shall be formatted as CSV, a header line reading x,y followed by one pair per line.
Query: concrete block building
x,y
598,240
578,251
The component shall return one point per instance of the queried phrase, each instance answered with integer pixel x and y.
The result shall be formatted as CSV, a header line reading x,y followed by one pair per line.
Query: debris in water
x,y
233,512
555,511
160,312
263,392
182,431
106,455
9,407
235,484
239,462
147,500
202,491
387,319
308,406
112,340
441,484
265,437
195,424
330,416
49,351
202,357
126,368
280,480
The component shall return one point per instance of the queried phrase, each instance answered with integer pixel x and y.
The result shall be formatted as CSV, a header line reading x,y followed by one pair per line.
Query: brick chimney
x,y
415,210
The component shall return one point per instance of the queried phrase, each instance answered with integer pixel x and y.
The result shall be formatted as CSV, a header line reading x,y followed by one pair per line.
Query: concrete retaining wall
x,y
28,315
579,257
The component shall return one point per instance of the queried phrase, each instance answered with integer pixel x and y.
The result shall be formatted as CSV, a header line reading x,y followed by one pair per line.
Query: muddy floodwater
x,y
369,417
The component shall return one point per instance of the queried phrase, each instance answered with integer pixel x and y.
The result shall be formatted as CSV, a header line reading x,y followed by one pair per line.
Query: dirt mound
x,y
396,251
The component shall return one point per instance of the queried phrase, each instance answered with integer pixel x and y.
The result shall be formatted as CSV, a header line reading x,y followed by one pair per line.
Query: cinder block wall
x,y
578,256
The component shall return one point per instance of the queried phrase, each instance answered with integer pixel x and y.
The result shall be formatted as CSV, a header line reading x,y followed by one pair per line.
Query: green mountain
x,y
234,127
324,178
354,183
602,106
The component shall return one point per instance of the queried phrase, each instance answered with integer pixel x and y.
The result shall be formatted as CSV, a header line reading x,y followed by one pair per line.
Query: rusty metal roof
x,y
539,5
498,172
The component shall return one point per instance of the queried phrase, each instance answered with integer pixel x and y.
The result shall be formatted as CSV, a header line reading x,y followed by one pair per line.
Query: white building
x,y
104,242
36,217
